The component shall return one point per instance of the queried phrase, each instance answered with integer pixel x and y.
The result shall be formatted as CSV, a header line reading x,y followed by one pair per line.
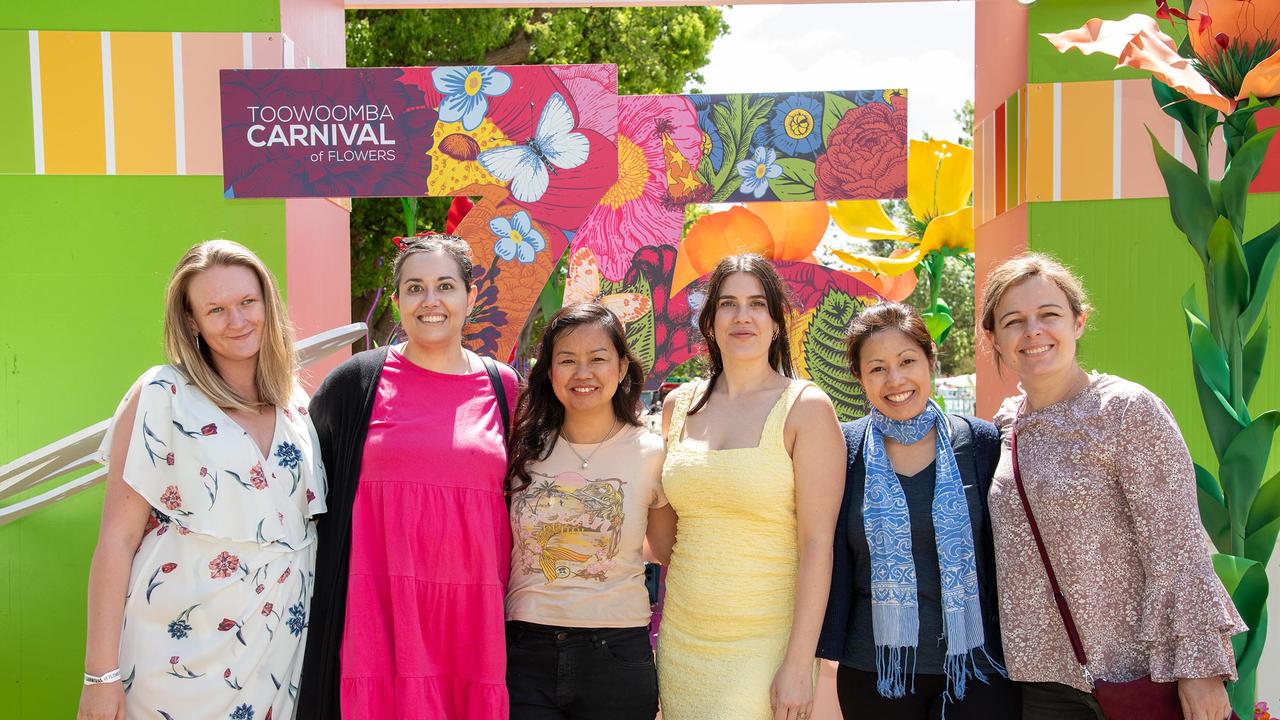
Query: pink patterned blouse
x,y
1113,490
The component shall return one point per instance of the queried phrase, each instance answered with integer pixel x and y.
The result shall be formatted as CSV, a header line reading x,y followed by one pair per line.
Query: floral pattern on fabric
x,y
201,638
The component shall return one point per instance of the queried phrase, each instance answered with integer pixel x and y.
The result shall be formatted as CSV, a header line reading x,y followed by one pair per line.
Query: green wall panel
x,y
83,267
1046,64
16,141
142,15
1136,267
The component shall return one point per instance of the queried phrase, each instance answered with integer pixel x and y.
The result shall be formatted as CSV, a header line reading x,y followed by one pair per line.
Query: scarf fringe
x,y
891,671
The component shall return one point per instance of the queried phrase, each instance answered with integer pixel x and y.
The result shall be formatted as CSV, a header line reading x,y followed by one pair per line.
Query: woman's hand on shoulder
x,y
101,702
1204,699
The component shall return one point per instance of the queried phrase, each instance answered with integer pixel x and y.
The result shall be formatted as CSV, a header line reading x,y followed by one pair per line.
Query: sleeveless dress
x,y
731,583
216,614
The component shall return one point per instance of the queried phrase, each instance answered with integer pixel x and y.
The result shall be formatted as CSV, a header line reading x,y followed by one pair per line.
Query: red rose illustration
x,y
171,498
227,673
168,568
173,660
226,624
285,575
266,609
210,429
866,155
223,565
168,459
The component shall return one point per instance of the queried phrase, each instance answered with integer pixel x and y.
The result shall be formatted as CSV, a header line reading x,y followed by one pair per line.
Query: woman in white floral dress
x,y
202,577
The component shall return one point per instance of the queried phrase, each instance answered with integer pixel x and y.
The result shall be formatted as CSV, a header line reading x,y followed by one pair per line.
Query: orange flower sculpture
x,y
776,230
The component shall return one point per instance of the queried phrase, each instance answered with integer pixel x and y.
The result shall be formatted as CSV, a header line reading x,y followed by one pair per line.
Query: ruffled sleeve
x,y
1187,616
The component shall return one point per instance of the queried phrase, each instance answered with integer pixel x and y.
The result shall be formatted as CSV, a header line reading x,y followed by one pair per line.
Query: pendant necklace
x,y
591,454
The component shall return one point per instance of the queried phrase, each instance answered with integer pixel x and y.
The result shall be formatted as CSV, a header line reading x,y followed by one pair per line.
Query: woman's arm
x,y
124,517
661,533
818,459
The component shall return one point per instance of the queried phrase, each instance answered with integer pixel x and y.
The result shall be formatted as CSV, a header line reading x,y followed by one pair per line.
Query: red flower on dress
x,y
168,568
227,673
173,660
268,716
302,410
204,471
288,414
266,609
257,478
171,498
259,589
168,459
163,529
285,575
210,429
226,624
310,496
152,524
223,565
866,155
183,531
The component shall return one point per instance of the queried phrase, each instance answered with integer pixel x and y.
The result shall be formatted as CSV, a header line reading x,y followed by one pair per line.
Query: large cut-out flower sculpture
x,y
778,231
1235,46
466,92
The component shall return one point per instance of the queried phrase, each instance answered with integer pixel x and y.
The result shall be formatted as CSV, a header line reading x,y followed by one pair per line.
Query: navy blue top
x,y
846,631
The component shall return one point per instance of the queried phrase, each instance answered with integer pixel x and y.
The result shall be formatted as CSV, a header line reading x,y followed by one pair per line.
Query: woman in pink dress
x,y
412,564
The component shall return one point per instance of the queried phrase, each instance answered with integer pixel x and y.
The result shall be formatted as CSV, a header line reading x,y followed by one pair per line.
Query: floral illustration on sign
x,y
517,238
467,91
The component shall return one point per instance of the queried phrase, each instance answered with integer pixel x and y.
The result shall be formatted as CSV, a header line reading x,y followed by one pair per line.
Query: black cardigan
x,y
832,643
340,410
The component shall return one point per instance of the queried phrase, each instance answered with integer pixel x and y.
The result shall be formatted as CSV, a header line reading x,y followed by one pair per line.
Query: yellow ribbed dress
x,y
731,583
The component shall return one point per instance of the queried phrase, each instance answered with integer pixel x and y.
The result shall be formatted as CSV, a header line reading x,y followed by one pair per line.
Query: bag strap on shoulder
x,y
499,392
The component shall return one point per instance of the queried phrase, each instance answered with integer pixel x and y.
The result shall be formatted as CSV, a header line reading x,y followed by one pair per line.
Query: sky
x,y
926,47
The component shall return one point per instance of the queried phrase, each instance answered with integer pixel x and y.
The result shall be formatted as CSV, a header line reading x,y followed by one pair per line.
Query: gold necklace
x,y
591,454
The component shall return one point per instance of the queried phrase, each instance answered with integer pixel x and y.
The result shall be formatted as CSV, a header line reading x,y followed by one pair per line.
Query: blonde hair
x,y
277,368
1022,267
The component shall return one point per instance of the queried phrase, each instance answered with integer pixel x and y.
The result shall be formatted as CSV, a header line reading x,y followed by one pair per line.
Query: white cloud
x,y
925,47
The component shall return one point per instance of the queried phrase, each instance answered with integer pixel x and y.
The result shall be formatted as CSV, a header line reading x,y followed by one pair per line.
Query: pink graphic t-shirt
x,y
578,554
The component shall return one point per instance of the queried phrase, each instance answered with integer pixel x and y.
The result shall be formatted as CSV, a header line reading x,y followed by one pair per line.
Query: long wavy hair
x,y
540,415
775,294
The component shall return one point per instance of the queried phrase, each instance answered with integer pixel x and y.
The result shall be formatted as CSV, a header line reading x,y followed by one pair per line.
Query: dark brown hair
x,y
451,245
775,294
887,316
540,414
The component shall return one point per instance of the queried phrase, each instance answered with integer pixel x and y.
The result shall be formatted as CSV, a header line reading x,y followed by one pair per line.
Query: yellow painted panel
x,y
1087,119
71,96
142,78
1039,143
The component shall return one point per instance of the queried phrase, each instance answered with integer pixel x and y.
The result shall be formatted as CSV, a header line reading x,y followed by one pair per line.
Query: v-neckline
x,y
684,425
275,432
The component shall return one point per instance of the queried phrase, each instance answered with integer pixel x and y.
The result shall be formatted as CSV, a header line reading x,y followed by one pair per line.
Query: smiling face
x,y
895,373
1035,330
744,329
433,300
586,370
225,306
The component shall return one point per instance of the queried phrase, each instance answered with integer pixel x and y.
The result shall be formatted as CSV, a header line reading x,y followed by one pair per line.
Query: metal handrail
x,y
79,450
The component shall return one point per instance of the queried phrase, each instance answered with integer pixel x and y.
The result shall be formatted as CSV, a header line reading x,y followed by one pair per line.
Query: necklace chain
x,y
587,459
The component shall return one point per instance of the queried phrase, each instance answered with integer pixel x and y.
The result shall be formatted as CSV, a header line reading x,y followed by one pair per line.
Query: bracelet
x,y
110,677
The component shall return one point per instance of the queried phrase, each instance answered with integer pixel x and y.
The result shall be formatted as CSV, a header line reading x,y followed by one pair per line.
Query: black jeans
x,y
556,673
996,699
1055,701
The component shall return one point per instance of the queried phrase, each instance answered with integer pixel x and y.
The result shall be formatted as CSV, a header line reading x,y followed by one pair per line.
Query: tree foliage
x,y
656,49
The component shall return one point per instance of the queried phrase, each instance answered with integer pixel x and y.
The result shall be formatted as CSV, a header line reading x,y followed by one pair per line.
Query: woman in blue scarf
x,y
912,616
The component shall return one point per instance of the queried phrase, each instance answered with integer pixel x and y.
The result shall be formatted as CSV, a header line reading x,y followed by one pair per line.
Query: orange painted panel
x,y
268,51
980,199
996,242
71,95
1086,140
142,82
1139,176
1039,143
203,55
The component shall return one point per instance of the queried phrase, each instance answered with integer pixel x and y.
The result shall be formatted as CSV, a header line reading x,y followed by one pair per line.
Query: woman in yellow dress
x,y
753,511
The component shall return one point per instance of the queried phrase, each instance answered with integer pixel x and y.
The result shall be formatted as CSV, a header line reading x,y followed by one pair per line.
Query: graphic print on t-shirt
x,y
569,526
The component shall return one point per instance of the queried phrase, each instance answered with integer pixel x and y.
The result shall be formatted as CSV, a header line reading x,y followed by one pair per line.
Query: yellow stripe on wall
x,y
142,80
1039,143
71,92
1087,139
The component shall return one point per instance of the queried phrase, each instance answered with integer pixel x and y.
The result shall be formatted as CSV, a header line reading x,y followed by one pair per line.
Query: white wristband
x,y
110,677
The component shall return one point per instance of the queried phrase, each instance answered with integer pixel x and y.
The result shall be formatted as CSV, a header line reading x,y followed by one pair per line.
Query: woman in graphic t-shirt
x,y
585,478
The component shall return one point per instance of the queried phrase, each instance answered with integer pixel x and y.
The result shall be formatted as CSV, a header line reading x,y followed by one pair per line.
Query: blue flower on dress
x,y
796,125
467,91
179,628
517,237
289,455
242,712
759,170
297,618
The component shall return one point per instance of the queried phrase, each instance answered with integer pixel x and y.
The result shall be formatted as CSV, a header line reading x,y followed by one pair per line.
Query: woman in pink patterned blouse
x,y
1112,489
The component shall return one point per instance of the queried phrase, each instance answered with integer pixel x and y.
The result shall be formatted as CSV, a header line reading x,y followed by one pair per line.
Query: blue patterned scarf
x,y
895,607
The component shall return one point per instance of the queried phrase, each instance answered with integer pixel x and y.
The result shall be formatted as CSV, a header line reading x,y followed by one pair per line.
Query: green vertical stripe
x,y
1011,133
17,150
142,15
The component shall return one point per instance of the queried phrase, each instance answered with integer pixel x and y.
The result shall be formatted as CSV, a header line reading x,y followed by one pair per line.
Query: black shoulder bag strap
x,y
499,392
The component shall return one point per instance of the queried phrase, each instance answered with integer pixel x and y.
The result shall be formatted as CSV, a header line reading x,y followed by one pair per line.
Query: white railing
x,y
78,450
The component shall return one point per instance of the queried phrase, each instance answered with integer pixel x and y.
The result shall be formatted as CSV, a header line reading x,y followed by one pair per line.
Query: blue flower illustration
x,y
242,712
712,145
467,91
517,238
179,628
297,618
288,454
759,170
796,125
866,97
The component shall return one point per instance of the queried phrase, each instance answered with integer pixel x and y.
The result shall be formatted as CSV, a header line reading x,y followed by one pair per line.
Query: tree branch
x,y
519,48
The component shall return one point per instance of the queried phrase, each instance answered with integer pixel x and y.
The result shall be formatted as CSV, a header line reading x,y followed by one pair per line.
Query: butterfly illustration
x,y
583,285
528,167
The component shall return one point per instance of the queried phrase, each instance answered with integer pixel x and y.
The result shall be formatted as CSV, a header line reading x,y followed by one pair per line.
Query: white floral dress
x,y
216,613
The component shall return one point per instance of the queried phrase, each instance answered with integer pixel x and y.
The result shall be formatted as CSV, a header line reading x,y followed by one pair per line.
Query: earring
x,y
198,349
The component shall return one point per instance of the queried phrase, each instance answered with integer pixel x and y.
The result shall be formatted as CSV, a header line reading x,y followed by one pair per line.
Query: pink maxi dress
x,y
430,552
